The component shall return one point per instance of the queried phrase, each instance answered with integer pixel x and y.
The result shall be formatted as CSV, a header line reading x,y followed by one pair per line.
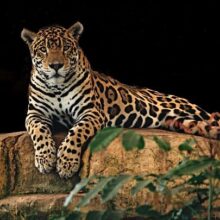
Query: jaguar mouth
x,y
56,75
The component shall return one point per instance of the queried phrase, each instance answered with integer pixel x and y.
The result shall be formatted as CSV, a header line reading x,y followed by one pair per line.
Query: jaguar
x,y
65,89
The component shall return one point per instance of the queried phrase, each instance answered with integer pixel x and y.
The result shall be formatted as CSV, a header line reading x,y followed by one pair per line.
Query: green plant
x,y
199,177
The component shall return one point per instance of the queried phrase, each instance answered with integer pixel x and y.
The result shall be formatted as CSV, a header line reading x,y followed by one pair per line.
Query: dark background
x,y
170,47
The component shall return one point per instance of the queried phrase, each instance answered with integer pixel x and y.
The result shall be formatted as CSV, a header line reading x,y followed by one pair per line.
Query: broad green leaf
x,y
188,167
147,211
131,140
103,138
112,215
95,215
113,186
139,186
163,144
187,145
93,192
76,189
198,179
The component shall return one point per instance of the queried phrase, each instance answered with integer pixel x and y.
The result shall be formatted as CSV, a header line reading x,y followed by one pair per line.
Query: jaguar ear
x,y
28,36
76,30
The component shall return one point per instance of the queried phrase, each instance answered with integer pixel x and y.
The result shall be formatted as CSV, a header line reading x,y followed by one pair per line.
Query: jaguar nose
x,y
56,66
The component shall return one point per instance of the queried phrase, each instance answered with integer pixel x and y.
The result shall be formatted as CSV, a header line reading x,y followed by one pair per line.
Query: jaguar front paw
x,y
68,162
67,169
45,161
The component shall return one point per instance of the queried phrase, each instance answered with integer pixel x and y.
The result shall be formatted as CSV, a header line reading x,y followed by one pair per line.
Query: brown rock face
x,y
150,160
22,186
18,173
24,191
115,159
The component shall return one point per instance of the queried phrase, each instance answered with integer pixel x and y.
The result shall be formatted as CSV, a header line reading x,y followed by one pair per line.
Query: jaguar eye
x,y
43,49
66,47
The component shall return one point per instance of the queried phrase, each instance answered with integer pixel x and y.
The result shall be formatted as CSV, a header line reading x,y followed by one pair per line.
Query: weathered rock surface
x,y
116,160
18,174
33,206
24,191
151,159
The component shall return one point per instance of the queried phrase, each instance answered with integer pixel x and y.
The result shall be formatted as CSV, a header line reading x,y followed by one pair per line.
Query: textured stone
x,y
150,160
115,159
36,206
18,174
25,193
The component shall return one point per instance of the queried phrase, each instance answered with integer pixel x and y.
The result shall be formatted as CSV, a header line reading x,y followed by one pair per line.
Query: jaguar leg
x,y
44,145
69,152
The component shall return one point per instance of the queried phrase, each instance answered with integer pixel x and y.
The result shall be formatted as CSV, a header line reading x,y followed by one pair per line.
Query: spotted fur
x,y
64,88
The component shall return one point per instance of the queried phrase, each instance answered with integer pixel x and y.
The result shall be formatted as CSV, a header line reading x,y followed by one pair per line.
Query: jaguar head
x,y
54,52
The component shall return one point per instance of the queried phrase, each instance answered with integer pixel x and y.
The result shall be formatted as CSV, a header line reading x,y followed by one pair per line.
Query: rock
x,y
114,159
23,189
151,160
18,174
25,192
33,206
